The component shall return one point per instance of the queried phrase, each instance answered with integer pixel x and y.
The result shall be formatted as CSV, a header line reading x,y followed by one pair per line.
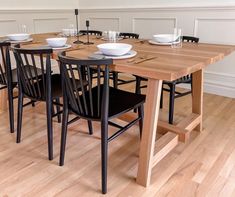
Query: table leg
x,y
3,100
197,96
147,145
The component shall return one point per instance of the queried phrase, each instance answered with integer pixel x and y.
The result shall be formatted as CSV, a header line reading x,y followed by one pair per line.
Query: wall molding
x,y
12,18
118,19
197,20
25,11
134,19
160,8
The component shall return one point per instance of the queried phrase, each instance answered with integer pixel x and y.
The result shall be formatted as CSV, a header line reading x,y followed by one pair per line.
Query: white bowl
x,y
114,49
56,42
18,37
164,38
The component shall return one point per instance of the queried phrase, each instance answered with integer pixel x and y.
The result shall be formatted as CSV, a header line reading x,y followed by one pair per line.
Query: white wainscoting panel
x,y
8,26
212,24
49,24
105,24
215,30
151,26
37,21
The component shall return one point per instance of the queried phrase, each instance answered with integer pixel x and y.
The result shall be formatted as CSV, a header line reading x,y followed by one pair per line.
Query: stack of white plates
x,y
116,50
18,38
164,39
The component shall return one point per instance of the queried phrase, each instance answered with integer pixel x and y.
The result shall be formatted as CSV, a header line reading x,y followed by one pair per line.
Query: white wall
x,y
149,3
38,4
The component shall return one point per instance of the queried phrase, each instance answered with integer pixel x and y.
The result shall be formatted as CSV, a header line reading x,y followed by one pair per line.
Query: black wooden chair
x,y
171,85
96,102
116,79
91,32
36,82
129,35
8,79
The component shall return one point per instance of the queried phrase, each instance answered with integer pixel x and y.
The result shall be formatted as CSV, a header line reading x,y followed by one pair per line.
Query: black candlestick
x,y
87,32
77,41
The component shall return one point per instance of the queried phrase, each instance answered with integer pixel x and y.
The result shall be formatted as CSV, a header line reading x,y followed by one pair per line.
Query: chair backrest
x,y
5,63
129,35
190,39
91,32
34,71
87,98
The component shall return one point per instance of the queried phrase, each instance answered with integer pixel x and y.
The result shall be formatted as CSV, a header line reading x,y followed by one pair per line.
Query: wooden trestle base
x,y
171,134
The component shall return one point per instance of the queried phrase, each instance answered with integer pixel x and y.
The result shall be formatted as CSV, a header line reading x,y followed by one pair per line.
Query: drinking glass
x,y
177,37
22,28
72,31
112,36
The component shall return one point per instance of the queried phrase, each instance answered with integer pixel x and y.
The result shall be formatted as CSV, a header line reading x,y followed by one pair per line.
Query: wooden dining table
x,y
161,63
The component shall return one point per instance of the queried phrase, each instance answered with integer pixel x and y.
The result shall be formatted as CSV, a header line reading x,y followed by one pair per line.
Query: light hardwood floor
x,y
204,166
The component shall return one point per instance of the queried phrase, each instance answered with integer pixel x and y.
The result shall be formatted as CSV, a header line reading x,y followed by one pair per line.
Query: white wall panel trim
x,y
197,21
162,8
118,19
7,20
25,11
152,18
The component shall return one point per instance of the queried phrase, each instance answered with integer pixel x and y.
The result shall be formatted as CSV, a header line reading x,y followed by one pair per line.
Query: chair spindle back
x,y
87,97
34,71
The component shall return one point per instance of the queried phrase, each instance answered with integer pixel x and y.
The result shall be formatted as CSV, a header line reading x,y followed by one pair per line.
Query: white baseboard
x,y
217,83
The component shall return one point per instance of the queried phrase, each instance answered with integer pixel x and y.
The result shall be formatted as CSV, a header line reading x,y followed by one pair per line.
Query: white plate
x,y
67,46
161,43
128,55
21,41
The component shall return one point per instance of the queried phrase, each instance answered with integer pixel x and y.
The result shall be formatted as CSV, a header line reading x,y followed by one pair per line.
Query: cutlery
x,y
143,60
75,49
135,59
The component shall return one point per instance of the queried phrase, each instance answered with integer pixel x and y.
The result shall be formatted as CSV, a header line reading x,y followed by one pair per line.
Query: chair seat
x,y
119,102
56,88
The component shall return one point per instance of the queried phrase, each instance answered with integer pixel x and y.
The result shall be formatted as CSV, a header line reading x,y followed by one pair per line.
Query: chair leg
x,y
141,116
90,127
104,154
115,79
11,109
63,135
161,100
58,110
19,117
171,103
137,85
137,88
33,103
49,129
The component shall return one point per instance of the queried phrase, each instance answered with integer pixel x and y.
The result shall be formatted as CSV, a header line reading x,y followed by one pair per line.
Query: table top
x,y
168,63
